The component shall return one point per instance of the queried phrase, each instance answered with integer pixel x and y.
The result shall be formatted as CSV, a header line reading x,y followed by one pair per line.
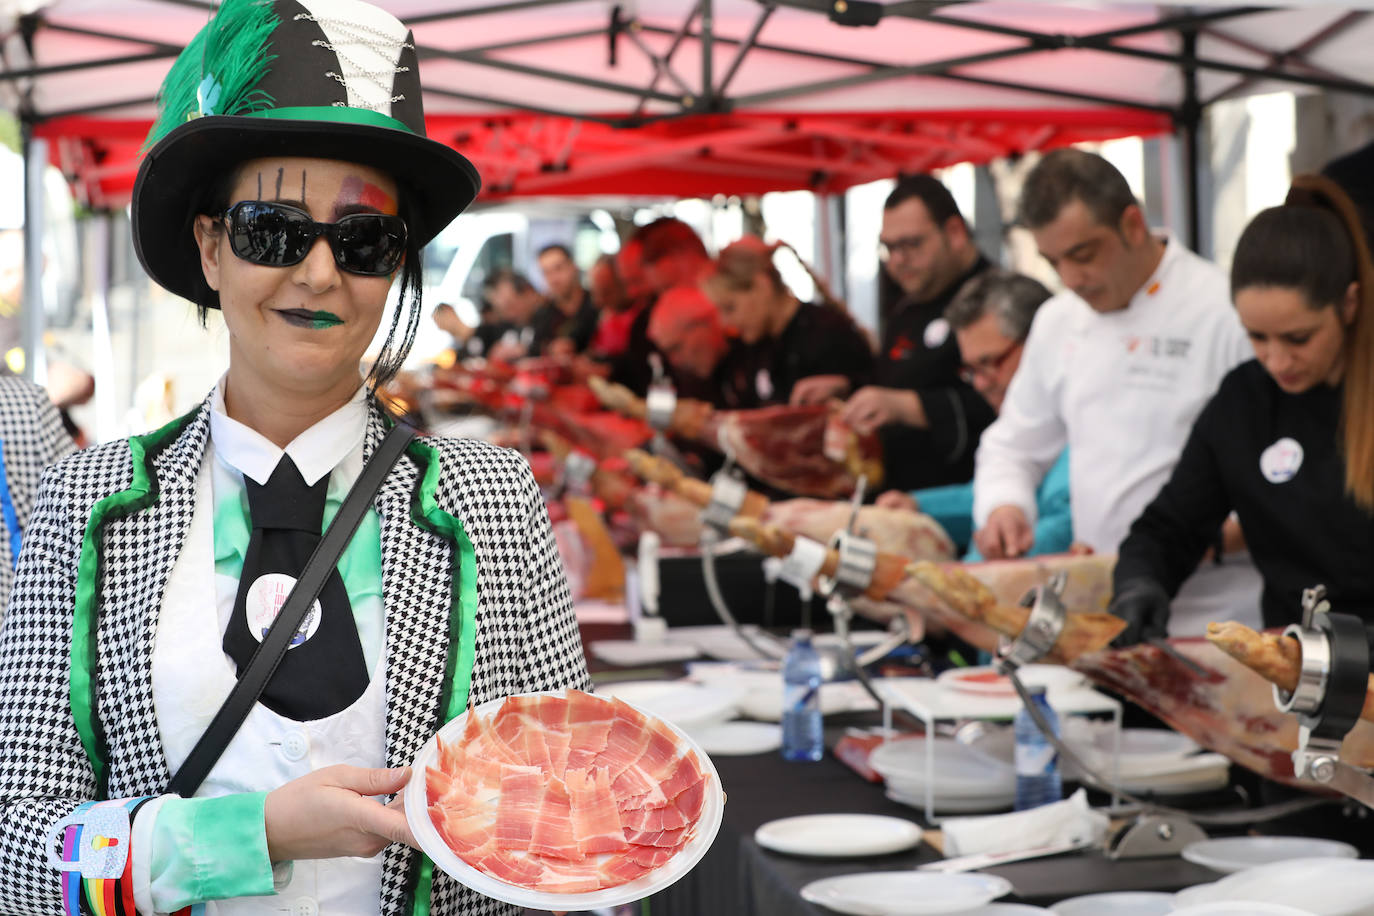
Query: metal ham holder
x,y
529,393
858,560
1155,831
1159,830
1330,694
855,573
660,402
728,491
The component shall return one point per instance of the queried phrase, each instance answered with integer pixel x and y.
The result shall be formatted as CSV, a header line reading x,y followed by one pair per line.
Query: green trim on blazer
x,y
142,492
453,697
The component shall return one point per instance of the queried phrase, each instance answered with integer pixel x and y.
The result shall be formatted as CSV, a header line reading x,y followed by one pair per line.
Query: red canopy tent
x,y
701,97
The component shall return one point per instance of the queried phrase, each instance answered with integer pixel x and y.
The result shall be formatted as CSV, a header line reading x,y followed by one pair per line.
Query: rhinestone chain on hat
x,y
374,39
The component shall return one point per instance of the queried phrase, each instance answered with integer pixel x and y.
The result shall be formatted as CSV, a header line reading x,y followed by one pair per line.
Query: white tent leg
x,y
34,310
99,244
828,226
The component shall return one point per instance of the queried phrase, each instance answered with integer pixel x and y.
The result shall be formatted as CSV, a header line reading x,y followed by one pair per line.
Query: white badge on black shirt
x,y
937,332
1280,462
763,385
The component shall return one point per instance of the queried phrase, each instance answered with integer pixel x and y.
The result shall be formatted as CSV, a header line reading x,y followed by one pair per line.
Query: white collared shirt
x,y
316,452
1121,390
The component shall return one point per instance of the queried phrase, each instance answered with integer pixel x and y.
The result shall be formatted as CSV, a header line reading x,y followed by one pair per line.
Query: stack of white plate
x,y
1229,855
1152,759
1323,886
905,893
683,703
964,780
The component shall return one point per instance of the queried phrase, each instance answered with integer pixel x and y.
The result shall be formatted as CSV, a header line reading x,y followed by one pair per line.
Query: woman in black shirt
x,y
1287,443
779,340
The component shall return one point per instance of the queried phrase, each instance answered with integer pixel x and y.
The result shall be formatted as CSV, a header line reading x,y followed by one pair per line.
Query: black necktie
x,y
323,672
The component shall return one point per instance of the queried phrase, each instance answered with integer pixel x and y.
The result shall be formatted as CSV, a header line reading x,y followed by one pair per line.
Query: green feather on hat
x,y
216,73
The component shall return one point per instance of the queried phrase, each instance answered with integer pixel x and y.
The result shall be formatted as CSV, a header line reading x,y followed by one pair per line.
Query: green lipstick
x,y
321,320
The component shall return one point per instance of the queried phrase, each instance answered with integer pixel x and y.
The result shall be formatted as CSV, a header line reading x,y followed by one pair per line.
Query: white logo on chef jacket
x,y
937,332
263,604
763,385
1280,462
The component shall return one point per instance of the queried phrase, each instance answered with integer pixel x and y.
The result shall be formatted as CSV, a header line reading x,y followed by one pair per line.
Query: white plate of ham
x,y
986,681
563,801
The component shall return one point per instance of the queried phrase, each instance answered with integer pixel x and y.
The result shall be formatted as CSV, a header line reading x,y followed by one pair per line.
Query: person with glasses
x,y
991,317
153,566
780,342
929,419
1287,443
685,329
1116,367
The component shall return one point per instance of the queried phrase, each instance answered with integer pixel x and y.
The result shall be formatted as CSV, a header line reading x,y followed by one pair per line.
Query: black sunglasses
x,y
279,235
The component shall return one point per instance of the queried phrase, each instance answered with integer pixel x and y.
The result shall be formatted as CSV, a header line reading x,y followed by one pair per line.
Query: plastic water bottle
x,y
801,700
1037,762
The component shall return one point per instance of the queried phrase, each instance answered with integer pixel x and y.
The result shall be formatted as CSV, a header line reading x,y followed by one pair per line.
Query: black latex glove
x,y
1144,605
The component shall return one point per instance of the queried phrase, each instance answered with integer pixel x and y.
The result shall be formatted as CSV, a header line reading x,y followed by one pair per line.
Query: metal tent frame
x,y
692,115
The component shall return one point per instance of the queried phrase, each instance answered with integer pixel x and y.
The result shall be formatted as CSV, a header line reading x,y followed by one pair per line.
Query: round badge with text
x,y
763,385
937,332
1279,463
264,601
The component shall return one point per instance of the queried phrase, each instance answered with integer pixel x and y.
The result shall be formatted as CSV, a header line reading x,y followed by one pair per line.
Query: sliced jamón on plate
x,y
564,799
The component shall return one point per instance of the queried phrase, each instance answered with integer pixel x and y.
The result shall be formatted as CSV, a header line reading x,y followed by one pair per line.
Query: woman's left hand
x,y
331,813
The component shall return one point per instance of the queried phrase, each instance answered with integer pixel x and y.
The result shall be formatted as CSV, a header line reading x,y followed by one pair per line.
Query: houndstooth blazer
x,y
526,636
33,438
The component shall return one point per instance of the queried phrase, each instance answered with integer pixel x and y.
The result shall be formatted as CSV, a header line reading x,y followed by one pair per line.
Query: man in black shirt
x,y
928,418
565,324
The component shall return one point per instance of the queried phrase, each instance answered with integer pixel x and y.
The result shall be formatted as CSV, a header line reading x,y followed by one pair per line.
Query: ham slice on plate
x,y
565,795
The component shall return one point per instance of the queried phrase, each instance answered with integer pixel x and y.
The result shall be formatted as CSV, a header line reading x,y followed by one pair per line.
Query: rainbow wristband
x,y
97,860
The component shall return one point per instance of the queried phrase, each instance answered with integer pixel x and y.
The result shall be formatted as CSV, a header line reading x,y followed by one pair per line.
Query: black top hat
x,y
331,79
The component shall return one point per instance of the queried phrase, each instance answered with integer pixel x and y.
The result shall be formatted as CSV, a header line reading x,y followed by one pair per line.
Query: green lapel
x,y
141,493
453,698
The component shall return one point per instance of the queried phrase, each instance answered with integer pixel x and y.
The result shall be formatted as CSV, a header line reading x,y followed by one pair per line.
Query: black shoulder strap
x,y
273,647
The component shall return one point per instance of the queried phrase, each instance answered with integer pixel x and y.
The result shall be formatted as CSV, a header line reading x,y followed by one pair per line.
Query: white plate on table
x,y
1004,909
418,818
1327,887
986,681
738,739
958,770
838,835
1237,853
724,643
1200,773
1241,908
629,652
683,703
944,804
905,893
1123,903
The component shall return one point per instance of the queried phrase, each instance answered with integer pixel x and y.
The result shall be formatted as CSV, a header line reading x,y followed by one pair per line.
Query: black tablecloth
x,y
736,877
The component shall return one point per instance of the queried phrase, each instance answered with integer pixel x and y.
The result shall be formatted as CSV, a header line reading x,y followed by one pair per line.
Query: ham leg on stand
x,y
969,607
1220,703
913,535
802,450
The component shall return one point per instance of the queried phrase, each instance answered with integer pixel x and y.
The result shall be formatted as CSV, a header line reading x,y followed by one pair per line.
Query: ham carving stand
x,y
1155,831
660,401
799,568
1330,693
728,491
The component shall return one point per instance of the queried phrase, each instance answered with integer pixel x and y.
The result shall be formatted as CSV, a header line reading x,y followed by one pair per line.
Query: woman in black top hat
x,y
289,184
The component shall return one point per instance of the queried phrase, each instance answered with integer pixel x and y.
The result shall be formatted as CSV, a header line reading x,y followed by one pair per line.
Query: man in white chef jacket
x,y
1117,368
